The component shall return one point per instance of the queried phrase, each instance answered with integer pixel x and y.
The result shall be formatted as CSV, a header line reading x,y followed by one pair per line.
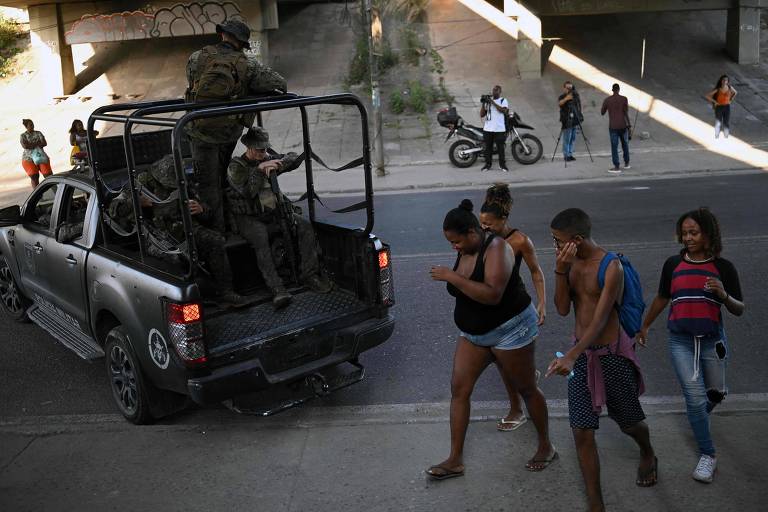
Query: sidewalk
x,y
372,459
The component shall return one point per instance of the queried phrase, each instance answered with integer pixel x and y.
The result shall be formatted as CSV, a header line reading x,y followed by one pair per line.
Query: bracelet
x,y
561,273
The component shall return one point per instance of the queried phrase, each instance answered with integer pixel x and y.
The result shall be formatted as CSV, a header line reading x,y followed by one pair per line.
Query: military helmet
x,y
256,137
163,171
237,29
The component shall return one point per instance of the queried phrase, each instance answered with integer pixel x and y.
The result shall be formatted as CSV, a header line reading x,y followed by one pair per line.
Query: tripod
x,y
573,115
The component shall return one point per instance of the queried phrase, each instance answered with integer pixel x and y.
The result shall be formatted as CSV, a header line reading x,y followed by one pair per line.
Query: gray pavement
x,y
364,459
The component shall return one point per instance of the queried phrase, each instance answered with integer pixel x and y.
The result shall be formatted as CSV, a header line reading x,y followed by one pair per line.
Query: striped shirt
x,y
693,309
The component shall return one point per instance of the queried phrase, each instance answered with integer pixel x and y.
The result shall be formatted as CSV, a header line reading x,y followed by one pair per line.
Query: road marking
x,y
639,188
353,415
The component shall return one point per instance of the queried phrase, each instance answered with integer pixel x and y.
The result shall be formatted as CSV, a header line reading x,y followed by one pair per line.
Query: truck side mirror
x,y
65,232
10,216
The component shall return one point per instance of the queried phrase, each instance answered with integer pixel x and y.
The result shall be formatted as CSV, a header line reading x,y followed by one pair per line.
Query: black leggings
x,y
723,114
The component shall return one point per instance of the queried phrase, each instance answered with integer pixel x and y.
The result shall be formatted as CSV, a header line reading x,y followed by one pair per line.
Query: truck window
x,y
75,205
39,210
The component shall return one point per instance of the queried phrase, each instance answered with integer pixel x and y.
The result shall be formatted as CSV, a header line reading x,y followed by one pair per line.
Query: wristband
x,y
561,273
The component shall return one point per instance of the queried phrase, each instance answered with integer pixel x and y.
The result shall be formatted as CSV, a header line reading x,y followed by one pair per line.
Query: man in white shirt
x,y
494,130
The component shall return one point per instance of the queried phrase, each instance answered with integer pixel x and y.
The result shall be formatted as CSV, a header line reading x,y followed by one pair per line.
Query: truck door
x,y
66,255
32,238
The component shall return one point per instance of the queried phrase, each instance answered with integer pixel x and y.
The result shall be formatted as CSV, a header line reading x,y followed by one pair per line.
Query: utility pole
x,y
374,29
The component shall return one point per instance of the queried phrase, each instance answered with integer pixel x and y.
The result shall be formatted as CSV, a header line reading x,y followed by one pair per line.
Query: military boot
x,y
281,298
319,283
231,299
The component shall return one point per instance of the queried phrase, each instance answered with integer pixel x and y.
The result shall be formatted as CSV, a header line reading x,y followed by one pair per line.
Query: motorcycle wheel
x,y
458,158
527,149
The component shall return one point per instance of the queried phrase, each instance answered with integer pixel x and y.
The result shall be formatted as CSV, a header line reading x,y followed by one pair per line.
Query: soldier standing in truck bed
x,y
254,206
159,182
219,73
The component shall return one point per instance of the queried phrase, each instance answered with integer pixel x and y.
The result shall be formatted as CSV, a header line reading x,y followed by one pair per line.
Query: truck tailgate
x,y
239,328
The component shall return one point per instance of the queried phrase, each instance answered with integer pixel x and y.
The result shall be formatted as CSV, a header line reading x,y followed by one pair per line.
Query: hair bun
x,y
466,204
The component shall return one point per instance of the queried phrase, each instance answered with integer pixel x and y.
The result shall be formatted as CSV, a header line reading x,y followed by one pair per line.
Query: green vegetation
x,y
9,34
416,97
397,103
412,50
359,72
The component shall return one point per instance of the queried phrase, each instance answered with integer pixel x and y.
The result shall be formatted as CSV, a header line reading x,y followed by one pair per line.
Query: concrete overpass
x,y
56,26
742,30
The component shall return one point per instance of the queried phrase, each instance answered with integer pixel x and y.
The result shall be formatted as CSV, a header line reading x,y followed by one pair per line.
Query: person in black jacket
x,y
570,118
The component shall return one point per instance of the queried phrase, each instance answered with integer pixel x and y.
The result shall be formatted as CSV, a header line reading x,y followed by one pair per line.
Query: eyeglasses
x,y
559,243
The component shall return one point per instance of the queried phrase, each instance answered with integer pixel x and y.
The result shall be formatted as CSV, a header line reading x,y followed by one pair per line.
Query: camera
x,y
485,98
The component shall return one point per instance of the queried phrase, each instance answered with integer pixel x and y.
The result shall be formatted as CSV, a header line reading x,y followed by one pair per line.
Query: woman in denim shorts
x,y
494,217
495,320
698,282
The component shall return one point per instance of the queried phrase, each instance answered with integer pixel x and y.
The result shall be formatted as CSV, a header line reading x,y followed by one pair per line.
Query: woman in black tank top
x,y
485,306
494,217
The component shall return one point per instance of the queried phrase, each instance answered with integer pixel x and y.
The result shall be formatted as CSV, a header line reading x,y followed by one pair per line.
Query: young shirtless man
x,y
601,365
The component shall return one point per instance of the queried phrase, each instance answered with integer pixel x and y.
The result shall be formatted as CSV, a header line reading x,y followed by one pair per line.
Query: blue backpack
x,y
632,306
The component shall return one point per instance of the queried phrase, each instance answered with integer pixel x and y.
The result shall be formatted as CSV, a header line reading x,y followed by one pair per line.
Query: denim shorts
x,y
517,332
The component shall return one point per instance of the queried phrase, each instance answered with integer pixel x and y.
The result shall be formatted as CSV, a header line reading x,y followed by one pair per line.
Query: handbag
x,y
38,156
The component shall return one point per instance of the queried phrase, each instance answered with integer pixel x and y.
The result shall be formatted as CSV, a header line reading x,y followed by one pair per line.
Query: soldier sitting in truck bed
x,y
155,187
253,205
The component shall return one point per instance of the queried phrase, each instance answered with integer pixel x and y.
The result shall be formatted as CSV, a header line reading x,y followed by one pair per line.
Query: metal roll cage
x,y
194,111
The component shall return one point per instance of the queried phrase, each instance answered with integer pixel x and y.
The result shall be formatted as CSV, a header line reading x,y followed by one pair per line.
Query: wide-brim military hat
x,y
256,137
236,28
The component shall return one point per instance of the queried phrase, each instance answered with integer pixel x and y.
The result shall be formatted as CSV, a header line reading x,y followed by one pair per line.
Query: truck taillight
x,y
185,328
386,284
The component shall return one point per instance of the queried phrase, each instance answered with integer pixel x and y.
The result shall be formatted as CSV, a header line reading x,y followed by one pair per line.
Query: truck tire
x,y
459,160
13,302
130,389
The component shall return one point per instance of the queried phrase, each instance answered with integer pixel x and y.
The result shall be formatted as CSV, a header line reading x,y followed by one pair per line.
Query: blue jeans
x,y
569,137
701,378
617,135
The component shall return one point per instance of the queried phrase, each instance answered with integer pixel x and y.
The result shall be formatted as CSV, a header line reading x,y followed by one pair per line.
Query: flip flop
x,y
648,478
508,426
447,473
541,465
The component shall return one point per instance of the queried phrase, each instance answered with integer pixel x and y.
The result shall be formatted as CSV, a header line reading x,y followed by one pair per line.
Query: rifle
x,y
284,213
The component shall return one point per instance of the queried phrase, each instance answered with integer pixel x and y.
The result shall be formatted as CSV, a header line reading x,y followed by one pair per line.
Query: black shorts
x,y
621,393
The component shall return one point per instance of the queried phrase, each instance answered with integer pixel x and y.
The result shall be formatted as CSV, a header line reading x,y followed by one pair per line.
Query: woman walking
x,y
698,281
494,217
34,160
721,97
494,321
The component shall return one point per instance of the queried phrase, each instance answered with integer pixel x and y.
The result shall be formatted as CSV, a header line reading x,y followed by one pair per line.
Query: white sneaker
x,y
614,170
627,166
705,469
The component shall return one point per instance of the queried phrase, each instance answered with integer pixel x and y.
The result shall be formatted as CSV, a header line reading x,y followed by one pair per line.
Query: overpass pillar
x,y
742,39
528,39
261,16
47,37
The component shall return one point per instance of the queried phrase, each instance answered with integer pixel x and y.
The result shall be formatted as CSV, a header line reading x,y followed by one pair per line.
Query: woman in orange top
x,y
721,97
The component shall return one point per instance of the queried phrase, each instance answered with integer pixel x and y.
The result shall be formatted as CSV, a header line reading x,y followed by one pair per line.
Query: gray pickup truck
x,y
99,291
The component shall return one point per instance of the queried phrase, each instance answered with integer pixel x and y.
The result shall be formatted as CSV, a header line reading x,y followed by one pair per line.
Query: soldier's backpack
x,y
632,305
221,75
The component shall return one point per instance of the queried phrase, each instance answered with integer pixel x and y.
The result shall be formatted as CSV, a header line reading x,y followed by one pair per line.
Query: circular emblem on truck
x,y
158,349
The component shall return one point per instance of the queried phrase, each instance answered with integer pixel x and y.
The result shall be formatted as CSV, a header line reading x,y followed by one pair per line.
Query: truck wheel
x,y
129,387
527,150
457,156
13,302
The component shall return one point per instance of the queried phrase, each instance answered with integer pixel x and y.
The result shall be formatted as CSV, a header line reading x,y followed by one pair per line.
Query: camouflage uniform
x,y
211,151
253,204
160,180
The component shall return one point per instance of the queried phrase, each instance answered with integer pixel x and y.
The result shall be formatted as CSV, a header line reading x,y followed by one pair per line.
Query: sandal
x,y
446,472
650,477
540,465
508,426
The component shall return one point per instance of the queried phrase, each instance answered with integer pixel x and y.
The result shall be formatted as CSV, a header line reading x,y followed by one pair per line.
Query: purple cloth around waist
x,y
622,347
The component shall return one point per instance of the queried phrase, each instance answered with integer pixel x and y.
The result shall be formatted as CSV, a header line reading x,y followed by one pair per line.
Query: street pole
x,y
374,29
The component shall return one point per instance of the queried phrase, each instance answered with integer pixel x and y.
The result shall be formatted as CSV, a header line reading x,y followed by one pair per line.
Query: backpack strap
x,y
607,259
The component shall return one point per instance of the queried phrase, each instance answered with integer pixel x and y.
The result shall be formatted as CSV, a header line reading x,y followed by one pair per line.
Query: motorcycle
x,y
526,148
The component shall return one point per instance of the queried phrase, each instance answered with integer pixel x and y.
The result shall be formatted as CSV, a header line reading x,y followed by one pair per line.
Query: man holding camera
x,y
494,111
570,118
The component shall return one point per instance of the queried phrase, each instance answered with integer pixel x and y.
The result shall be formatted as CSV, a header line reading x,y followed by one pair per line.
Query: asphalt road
x,y
39,377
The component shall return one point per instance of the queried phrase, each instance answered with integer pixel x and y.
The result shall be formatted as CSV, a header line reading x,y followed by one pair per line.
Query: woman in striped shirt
x,y
698,282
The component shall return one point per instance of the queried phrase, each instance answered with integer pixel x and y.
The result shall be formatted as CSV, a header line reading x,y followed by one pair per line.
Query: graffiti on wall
x,y
178,20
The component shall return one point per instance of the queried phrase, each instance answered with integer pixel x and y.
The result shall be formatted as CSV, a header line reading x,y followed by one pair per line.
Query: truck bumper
x,y
249,375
